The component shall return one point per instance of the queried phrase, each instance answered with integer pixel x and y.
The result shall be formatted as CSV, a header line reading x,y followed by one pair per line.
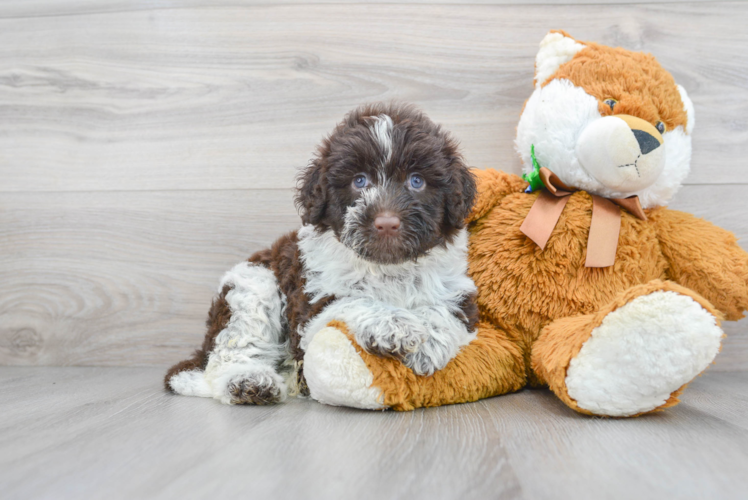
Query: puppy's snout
x,y
387,224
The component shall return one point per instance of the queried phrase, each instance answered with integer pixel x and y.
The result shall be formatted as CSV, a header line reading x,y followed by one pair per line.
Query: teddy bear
x,y
587,283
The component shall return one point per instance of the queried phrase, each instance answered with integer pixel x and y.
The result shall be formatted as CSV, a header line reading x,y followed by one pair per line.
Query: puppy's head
x,y
389,182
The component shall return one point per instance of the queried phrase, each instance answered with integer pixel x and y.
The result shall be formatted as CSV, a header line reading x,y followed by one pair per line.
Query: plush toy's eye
x,y
417,182
611,103
360,181
660,127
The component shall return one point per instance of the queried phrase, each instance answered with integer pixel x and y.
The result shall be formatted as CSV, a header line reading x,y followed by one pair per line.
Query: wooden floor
x,y
110,433
146,146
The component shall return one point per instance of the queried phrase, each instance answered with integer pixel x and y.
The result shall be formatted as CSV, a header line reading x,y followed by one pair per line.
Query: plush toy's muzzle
x,y
622,152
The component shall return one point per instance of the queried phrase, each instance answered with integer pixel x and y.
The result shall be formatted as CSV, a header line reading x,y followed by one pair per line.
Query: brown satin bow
x,y
604,227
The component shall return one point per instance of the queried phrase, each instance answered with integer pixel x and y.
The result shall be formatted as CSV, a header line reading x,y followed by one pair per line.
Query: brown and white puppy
x,y
383,248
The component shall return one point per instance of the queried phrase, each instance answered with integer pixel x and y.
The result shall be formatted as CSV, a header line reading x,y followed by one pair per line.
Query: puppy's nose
x,y
387,224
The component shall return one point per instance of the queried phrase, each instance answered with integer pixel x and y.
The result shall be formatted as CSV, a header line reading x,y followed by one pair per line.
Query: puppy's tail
x,y
188,377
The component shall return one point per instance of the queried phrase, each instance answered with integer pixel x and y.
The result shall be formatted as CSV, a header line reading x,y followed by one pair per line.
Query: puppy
x,y
382,248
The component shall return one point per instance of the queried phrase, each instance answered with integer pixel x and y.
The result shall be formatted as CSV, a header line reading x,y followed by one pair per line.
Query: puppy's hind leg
x,y
245,346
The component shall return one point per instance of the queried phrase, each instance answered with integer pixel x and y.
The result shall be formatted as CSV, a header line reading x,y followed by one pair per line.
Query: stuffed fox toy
x,y
587,284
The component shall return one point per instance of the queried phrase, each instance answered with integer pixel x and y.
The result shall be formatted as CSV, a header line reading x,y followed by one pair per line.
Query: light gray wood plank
x,y
46,8
238,96
113,433
734,353
672,454
122,278
126,278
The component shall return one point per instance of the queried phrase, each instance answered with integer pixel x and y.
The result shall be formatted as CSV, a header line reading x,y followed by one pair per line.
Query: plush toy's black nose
x,y
647,142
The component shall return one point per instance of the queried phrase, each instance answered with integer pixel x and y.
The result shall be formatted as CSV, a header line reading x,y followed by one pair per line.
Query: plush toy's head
x,y
606,120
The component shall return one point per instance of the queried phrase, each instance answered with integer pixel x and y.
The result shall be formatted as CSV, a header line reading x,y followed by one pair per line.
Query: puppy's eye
x,y
417,182
360,181
611,103
660,127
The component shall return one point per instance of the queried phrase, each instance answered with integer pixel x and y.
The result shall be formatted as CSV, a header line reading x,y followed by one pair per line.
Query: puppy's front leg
x,y
390,331
425,339
378,327
446,335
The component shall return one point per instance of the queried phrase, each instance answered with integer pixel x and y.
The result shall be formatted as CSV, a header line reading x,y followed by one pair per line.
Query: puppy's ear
x,y
462,195
311,195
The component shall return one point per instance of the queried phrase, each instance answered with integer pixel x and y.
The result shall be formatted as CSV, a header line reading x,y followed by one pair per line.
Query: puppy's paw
x,y
254,391
253,387
425,362
430,357
398,341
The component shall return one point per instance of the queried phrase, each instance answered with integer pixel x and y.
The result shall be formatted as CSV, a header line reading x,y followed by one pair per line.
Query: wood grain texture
x,y
126,278
90,433
238,96
147,146
45,8
121,278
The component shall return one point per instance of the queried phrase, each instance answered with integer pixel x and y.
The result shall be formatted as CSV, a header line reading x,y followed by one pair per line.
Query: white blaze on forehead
x,y
381,129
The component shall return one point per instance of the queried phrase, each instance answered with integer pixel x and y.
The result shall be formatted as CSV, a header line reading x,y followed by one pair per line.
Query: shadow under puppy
x,y
383,248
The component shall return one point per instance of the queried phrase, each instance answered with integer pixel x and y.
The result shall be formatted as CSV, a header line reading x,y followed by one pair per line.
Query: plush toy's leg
x,y
633,356
339,372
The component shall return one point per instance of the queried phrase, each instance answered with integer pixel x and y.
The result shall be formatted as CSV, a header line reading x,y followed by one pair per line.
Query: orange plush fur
x,y
539,307
537,312
638,83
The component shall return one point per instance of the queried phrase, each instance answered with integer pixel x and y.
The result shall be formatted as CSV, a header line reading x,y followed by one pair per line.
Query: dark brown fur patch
x,y
284,259
470,314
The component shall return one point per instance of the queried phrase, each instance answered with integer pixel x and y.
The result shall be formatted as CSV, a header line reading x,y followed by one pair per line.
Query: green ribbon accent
x,y
533,177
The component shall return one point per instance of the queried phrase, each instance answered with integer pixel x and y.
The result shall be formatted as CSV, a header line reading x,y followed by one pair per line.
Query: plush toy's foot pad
x,y
642,353
336,374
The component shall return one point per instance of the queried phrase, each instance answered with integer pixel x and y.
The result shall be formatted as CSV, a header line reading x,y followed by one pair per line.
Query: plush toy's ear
x,y
556,49
461,198
688,107
311,195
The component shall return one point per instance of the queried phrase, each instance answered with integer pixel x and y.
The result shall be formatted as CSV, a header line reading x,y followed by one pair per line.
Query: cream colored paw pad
x,y
642,353
336,374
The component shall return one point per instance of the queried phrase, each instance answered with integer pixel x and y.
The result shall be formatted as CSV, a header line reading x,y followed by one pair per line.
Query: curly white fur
x,y
409,307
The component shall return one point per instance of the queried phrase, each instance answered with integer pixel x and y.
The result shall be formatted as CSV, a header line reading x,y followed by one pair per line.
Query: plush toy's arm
x,y
704,258
493,186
